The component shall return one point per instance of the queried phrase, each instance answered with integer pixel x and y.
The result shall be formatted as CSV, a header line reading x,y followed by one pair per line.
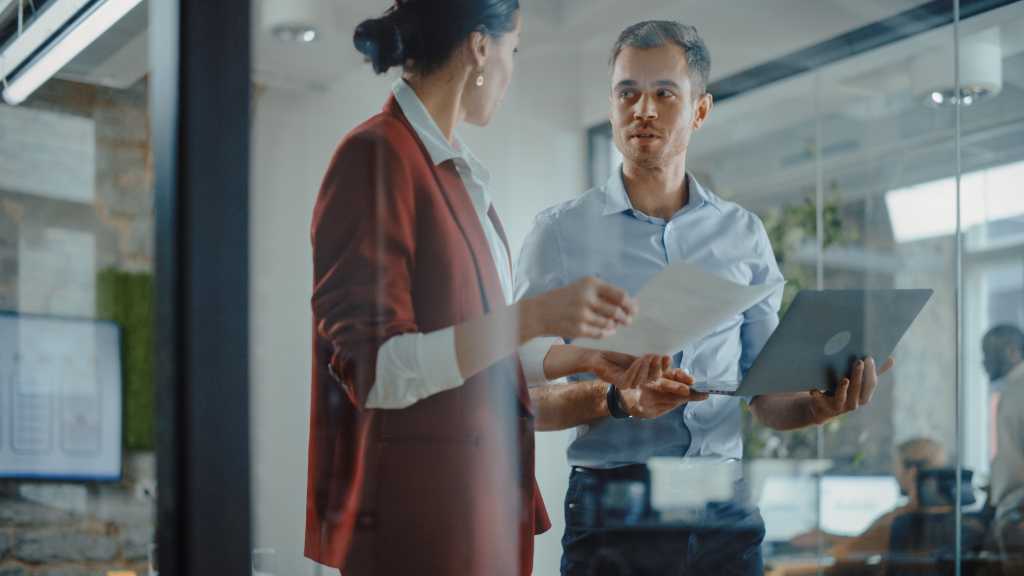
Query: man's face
x,y
653,109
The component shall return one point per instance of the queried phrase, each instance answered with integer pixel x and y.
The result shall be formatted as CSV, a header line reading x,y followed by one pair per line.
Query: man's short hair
x,y
1007,337
657,33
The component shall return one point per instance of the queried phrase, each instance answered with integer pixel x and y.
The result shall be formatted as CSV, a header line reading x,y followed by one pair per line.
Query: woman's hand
x,y
588,308
565,360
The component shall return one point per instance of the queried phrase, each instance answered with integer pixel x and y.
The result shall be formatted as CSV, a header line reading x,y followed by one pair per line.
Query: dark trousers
x,y
731,546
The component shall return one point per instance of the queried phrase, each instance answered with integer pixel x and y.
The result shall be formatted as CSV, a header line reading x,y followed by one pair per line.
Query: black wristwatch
x,y
614,401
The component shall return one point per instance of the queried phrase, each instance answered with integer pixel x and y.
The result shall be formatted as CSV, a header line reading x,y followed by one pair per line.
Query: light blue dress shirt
x,y
601,234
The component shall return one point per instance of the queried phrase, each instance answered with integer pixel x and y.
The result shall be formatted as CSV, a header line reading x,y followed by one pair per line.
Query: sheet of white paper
x,y
679,306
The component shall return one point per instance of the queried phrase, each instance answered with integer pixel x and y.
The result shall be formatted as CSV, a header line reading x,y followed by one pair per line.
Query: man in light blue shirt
x,y
652,213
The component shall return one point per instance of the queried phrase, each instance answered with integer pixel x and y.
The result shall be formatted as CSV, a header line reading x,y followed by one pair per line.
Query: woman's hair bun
x,y
380,40
423,34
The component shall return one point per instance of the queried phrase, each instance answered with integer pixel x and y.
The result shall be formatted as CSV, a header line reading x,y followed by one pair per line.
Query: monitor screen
x,y
789,506
60,398
849,504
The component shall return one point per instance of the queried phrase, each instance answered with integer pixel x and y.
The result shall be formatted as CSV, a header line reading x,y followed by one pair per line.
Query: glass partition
x,y
77,421
866,151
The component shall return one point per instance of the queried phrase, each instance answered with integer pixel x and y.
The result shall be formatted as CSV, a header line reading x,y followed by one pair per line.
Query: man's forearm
x,y
562,406
784,411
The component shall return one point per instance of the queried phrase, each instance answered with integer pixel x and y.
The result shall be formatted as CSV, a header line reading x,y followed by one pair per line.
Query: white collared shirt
x,y
602,234
411,367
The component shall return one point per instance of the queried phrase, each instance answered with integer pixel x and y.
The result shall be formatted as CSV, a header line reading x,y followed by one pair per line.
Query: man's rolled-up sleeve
x,y
761,319
539,270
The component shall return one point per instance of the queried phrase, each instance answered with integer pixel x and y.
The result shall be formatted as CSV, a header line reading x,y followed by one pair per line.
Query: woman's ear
x,y
479,46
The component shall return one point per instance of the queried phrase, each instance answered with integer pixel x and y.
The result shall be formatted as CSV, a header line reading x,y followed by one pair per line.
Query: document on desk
x,y
679,306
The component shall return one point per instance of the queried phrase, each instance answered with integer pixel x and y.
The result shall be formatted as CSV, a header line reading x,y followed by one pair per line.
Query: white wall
x,y
535,150
293,137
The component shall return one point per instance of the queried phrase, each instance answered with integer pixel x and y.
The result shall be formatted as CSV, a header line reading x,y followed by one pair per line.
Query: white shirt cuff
x,y
439,363
412,367
532,355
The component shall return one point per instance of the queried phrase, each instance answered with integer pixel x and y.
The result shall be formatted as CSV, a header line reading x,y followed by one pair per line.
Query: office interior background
x,y
839,122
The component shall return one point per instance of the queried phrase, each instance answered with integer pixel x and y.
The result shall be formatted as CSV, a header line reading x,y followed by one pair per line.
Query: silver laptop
x,y
822,334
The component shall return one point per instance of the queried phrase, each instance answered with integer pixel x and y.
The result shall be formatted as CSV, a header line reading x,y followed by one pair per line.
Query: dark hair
x,y
425,33
657,33
1006,336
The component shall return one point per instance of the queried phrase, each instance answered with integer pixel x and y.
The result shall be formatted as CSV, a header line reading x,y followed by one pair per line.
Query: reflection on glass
x,y
77,468
264,562
992,217
837,127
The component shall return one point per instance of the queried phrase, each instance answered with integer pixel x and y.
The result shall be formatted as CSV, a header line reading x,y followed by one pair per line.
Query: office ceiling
x,y
740,33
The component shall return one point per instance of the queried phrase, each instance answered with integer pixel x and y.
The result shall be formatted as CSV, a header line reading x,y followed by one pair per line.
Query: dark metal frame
x,y
199,109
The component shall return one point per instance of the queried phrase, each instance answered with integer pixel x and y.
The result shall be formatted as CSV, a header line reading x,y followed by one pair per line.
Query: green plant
x,y
127,299
791,227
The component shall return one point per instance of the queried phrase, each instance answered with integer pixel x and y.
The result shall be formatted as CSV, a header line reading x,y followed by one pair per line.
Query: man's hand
x,y
611,367
651,388
851,393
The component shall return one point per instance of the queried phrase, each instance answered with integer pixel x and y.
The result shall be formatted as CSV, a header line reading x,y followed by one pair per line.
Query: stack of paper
x,y
679,306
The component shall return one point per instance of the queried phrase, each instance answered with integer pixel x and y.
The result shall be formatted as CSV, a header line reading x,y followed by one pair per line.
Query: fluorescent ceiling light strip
x,y
39,28
65,47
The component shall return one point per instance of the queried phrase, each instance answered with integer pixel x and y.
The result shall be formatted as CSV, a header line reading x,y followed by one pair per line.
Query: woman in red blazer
x,y
421,435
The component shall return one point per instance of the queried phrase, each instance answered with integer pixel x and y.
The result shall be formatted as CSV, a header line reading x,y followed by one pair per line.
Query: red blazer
x,y
447,485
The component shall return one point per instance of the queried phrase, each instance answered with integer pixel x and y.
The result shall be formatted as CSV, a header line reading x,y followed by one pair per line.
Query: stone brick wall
x,y
38,539
55,529
121,217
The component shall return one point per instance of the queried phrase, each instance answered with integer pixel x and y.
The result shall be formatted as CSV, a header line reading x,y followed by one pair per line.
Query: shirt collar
x,y
438,147
417,115
617,199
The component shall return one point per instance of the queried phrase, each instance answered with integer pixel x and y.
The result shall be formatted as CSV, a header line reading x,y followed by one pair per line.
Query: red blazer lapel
x,y
464,213
461,206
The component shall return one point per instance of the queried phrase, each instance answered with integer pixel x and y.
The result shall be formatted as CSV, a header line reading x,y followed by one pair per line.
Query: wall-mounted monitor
x,y
60,398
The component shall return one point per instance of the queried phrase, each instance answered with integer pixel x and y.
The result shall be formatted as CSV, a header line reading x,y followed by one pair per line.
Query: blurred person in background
x,y
1003,352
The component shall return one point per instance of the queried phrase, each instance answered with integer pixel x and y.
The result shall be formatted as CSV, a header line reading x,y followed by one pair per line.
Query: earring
x,y
479,80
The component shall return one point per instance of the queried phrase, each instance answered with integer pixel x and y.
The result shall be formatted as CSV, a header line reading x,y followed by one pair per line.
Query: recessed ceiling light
x,y
934,81
968,95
